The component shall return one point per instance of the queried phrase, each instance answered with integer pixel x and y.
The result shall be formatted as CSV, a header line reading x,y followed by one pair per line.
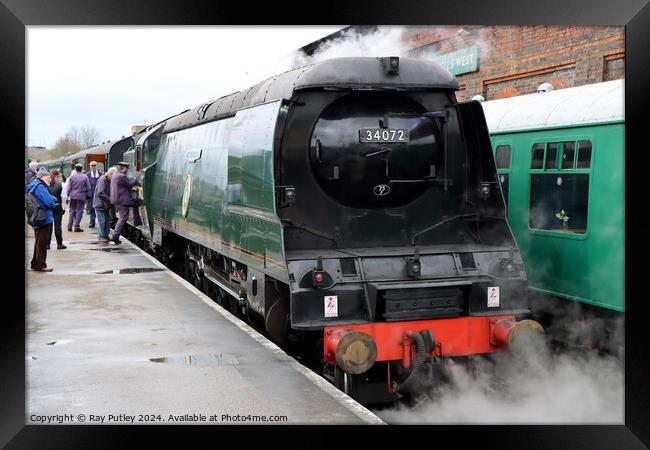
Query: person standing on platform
x,y
93,175
102,204
78,187
42,230
56,188
30,173
121,197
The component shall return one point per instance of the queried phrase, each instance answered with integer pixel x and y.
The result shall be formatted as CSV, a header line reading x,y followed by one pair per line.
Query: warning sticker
x,y
493,297
331,306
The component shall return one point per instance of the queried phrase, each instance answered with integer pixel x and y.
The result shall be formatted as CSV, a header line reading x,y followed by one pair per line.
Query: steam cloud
x,y
550,389
384,41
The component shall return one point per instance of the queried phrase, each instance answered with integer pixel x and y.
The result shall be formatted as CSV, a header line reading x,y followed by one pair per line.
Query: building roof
x,y
591,103
337,73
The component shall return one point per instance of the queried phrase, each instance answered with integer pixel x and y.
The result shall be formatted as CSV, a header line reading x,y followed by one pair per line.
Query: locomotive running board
x,y
213,276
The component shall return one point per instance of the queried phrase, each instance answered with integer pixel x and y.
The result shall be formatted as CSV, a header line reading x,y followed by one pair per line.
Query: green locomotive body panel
x,y
214,185
210,176
587,264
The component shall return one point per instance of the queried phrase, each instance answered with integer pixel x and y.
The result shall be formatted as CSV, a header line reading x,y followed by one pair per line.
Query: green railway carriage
x,y
53,164
84,157
105,155
560,159
108,153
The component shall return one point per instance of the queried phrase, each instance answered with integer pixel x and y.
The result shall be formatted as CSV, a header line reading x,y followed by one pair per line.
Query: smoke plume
x,y
384,41
551,388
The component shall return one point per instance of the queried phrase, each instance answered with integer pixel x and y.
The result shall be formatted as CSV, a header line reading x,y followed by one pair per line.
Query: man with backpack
x,y
40,204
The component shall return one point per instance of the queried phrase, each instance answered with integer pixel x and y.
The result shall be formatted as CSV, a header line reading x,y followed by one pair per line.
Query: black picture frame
x,y
15,15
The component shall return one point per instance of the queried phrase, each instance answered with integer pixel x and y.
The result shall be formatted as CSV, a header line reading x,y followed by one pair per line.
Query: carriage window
x,y
559,202
568,153
584,155
537,160
551,155
503,157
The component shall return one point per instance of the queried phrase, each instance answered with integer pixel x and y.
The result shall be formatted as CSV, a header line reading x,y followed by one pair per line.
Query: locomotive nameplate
x,y
383,135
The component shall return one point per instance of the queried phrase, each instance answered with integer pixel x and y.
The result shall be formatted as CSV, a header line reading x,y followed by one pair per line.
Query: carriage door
x,y
502,156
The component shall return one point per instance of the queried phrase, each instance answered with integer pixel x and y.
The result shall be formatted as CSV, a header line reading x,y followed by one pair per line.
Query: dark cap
x,y
123,164
78,166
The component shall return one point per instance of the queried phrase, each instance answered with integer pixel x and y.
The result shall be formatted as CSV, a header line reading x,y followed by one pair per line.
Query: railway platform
x,y
112,336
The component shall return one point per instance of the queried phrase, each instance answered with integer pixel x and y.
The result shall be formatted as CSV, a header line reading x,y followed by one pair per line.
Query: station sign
x,y
460,61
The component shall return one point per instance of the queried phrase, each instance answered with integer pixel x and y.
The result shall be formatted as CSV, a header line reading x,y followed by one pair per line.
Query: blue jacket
x,y
47,200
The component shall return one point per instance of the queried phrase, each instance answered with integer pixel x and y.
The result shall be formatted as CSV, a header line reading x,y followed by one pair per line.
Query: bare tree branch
x,y
88,136
75,139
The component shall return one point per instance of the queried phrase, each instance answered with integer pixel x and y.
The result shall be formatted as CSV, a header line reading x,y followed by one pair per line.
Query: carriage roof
x,y
582,105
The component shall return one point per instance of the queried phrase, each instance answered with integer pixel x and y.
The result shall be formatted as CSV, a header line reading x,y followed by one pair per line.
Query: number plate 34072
x,y
368,135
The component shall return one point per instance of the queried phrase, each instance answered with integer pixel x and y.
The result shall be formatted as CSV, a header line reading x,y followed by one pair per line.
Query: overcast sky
x,y
116,77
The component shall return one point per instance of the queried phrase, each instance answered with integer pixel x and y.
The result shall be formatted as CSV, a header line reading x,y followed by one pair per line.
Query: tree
x,y
75,139
66,144
88,136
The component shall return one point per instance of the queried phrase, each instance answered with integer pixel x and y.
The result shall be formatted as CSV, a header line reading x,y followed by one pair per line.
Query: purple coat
x,y
121,189
78,187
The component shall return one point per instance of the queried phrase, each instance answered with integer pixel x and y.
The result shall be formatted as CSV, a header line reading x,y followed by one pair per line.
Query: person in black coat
x,y
56,186
30,173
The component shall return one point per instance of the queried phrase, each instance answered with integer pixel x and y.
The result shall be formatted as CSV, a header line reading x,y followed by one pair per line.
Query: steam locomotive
x,y
350,209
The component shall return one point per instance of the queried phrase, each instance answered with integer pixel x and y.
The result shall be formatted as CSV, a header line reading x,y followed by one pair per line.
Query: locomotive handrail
x,y
309,230
477,217
452,281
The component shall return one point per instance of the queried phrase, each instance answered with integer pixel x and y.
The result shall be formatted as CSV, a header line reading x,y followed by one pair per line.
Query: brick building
x,y
505,61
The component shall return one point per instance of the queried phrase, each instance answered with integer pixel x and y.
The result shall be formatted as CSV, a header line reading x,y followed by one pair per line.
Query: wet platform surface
x,y
112,334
